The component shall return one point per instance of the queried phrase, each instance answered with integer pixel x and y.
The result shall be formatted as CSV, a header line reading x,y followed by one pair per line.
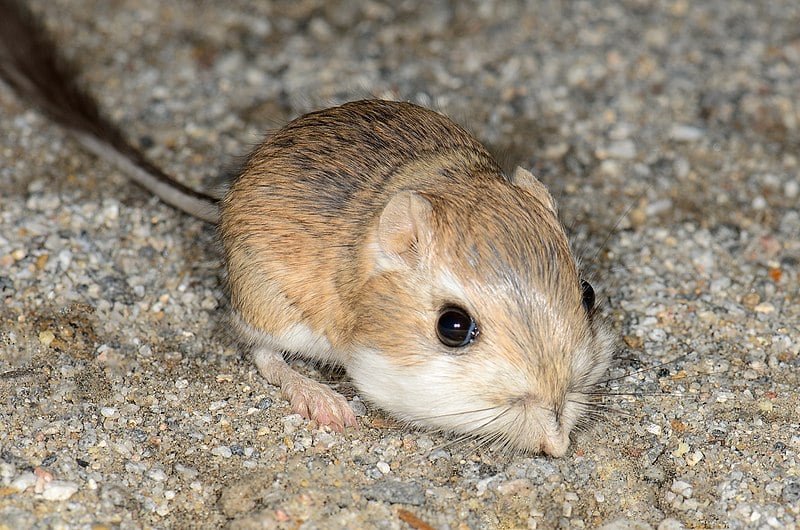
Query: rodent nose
x,y
555,446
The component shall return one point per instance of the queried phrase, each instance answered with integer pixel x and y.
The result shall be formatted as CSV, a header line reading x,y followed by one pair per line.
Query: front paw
x,y
320,403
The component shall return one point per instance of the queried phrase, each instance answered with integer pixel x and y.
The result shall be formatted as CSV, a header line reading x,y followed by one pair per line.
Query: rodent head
x,y
476,320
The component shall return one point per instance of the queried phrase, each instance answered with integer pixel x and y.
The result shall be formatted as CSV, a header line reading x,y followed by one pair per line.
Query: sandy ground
x,y
669,133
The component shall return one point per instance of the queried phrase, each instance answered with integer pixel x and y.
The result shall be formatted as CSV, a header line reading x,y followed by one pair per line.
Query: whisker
x,y
647,369
636,393
481,439
619,411
457,413
620,219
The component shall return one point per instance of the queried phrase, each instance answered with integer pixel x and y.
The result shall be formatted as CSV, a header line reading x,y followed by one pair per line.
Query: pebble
x,y
217,405
681,450
682,488
670,524
791,492
46,337
685,133
324,439
620,149
359,408
157,474
59,490
626,524
222,451
109,412
792,189
189,473
292,422
23,481
518,486
693,458
765,308
774,489
395,492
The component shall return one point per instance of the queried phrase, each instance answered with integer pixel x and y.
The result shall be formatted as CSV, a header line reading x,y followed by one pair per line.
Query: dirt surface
x,y
669,133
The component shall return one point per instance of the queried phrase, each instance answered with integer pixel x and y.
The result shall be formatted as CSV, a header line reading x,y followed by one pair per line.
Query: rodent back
x,y
351,156
301,210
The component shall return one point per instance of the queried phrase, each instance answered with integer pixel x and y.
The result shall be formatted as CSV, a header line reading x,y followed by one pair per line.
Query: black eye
x,y
455,328
588,295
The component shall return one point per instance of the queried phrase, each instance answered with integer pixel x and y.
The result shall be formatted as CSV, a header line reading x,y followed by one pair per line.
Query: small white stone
x,y
626,524
111,212
556,151
764,307
571,496
216,405
291,423
482,485
654,429
157,474
621,149
774,489
684,489
622,131
670,524
46,337
685,133
659,206
188,473
682,449
692,459
59,490
383,467
303,440
222,451
135,467
23,482
681,167
610,168
599,496
791,189
109,412
255,77
518,486
323,439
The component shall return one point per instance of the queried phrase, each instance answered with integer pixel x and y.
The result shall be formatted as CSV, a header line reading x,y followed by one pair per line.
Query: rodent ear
x,y
404,226
522,178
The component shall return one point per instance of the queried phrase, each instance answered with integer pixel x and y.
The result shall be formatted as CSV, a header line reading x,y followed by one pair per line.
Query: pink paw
x,y
320,403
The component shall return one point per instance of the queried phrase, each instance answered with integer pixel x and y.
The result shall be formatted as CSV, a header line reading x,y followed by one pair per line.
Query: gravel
x,y
668,131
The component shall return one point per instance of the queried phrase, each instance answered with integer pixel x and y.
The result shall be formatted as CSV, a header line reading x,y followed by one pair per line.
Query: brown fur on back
x,y
299,212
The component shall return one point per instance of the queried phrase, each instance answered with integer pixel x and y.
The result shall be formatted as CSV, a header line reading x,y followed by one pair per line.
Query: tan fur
x,y
361,222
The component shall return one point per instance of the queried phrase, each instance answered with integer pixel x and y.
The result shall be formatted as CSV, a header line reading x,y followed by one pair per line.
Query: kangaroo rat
x,y
381,237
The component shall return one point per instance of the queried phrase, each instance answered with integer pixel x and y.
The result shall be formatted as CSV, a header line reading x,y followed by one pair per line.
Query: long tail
x,y
32,67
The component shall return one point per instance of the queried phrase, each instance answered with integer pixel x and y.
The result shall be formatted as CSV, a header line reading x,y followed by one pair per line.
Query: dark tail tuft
x,y
32,67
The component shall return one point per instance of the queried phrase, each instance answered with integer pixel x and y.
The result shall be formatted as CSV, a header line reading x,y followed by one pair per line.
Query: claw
x,y
311,399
